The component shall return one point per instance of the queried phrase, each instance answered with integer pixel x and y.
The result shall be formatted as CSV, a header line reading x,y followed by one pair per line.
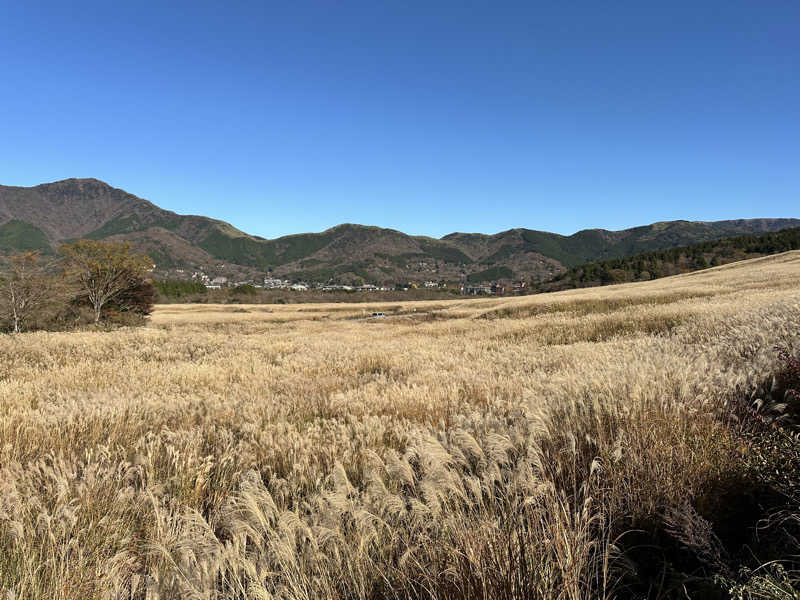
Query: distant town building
x,y
272,283
476,290
495,289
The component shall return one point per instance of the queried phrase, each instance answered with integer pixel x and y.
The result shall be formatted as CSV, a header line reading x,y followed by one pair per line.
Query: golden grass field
x,y
482,448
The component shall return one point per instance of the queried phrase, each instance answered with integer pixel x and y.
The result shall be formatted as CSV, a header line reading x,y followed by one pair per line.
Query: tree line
x,y
89,282
179,288
674,261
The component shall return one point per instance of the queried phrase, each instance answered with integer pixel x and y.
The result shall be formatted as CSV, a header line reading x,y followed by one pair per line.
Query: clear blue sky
x,y
428,117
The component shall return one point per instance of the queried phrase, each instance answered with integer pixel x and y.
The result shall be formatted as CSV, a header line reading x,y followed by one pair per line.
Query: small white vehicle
x,y
378,315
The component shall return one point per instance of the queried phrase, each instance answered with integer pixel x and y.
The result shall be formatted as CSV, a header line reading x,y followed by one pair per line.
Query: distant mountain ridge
x,y
43,216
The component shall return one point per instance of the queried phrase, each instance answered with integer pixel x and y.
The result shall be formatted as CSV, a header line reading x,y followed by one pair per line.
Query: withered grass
x,y
480,448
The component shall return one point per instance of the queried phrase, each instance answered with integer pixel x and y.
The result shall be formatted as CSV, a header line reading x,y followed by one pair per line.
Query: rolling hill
x,y
43,216
674,261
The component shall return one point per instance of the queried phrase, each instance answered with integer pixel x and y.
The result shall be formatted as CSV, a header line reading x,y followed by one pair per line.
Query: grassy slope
x,y
131,223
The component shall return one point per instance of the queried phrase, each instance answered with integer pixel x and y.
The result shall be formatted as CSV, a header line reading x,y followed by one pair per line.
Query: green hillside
x,y
593,244
674,261
44,216
491,274
17,236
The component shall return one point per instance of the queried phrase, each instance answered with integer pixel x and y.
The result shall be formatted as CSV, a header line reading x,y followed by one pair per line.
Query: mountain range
x,y
43,216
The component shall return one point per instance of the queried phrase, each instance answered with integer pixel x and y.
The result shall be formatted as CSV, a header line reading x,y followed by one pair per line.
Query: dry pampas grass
x,y
480,449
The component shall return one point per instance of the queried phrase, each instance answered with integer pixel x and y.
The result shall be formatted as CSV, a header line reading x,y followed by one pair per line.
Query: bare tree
x,y
104,270
25,289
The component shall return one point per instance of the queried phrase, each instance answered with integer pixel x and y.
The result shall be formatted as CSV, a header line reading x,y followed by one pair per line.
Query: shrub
x,y
244,290
137,299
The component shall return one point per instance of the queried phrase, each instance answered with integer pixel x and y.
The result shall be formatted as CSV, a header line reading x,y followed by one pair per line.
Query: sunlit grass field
x,y
471,448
